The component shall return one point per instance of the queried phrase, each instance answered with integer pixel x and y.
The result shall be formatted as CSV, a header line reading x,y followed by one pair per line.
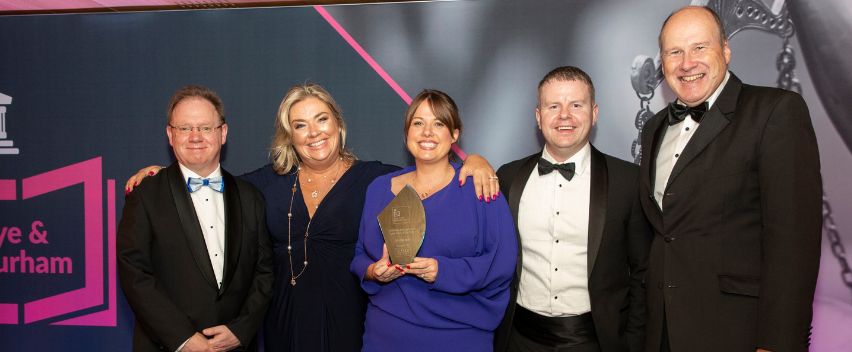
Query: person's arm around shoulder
x,y
140,175
484,179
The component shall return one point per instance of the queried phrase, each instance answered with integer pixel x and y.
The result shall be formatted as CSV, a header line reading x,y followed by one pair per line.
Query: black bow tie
x,y
545,167
679,112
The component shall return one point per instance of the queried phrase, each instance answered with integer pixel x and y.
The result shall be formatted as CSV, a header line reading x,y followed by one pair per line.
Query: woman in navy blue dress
x,y
317,304
453,295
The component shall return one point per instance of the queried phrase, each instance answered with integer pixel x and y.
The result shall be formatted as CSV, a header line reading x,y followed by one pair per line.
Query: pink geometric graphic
x,y
105,317
92,294
8,313
7,190
374,64
370,61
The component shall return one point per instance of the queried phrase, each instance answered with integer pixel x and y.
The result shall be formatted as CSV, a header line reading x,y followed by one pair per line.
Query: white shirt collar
x,y
580,159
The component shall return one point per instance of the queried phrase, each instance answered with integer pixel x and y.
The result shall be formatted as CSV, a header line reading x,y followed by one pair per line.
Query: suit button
x,y
668,238
651,196
669,194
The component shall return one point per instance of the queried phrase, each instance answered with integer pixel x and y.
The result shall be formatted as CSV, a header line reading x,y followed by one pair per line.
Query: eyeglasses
x,y
189,129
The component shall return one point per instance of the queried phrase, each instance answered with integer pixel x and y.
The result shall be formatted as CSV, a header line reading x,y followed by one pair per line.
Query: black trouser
x,y
664,343
532,332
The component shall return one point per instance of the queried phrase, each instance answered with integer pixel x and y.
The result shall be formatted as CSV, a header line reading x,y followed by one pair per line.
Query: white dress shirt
x,y
674,141
553,219
210,207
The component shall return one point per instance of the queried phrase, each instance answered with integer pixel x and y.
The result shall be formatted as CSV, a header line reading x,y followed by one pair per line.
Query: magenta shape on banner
x,y
89,173
8,311
7,190
105,317
374,64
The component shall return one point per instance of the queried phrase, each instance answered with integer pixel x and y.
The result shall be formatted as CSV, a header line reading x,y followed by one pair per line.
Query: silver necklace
x,y
315,193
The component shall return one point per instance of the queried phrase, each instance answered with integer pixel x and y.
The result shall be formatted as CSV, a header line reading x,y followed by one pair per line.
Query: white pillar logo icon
x,y
6,145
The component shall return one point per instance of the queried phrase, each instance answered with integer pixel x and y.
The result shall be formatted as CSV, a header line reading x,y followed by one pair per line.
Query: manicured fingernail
x,y
135,183
126,191
389,264
488,200
408,266
460,183
150,173
480,198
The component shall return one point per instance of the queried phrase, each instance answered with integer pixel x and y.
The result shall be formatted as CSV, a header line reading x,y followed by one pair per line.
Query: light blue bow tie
x,y
215,183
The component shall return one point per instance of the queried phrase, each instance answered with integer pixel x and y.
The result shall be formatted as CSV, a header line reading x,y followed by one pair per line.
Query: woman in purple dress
x,y
454,293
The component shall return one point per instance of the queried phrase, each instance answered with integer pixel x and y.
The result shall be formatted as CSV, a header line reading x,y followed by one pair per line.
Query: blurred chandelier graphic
x,y
823,18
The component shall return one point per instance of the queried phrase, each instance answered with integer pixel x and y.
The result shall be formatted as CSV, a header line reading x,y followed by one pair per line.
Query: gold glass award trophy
x,y
403,225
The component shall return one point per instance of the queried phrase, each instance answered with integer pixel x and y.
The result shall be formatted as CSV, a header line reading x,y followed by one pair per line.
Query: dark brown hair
x,y
442,105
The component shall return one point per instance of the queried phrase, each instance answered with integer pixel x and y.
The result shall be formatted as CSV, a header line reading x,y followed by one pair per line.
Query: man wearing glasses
x,y
194,257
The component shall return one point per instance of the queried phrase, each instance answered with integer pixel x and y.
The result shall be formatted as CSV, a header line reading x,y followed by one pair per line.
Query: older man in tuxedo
x,y
730,182
194,257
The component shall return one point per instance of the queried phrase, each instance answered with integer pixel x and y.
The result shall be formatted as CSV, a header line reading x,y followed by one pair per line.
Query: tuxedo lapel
x,y
597,206
711,125
516,190
714,121
233,224
189,224
656,130
518,184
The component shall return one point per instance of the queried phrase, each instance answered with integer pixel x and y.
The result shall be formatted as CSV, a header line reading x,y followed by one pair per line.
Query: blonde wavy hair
x,y
281,152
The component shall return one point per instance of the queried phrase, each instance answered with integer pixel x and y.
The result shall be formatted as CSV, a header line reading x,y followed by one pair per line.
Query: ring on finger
x,y
493,177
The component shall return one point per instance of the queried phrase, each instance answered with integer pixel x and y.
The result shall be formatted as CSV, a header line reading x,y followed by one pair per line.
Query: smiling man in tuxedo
x,y
194,258
730,182
584,240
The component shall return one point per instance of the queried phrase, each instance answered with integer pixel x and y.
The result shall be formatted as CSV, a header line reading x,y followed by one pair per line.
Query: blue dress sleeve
x,y
490,271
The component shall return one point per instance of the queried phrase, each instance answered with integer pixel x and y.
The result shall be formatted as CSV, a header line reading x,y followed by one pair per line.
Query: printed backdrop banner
x,y
83,100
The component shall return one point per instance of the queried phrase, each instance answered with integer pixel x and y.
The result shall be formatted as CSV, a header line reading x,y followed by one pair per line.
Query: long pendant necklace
x,y
314,195
293,275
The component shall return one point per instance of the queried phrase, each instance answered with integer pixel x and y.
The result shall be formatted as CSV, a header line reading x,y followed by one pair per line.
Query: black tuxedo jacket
x,y
619,238
734,259
166,273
